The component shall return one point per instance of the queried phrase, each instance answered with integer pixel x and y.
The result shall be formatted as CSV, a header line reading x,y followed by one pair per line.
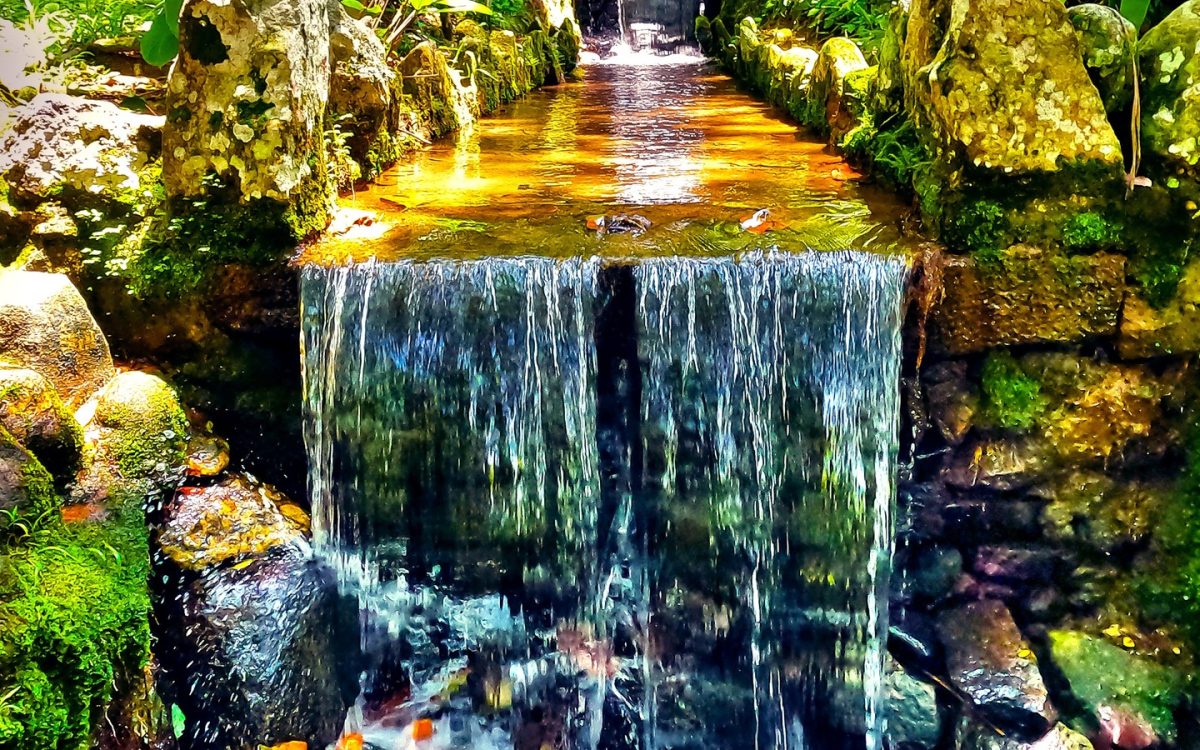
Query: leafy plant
x,y
160,43
391,20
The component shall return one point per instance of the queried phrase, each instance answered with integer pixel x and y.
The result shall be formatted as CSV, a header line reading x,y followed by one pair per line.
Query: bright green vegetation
x,y
1158,269
861,20
1012,399
74,609
979,228
1091,231
78,23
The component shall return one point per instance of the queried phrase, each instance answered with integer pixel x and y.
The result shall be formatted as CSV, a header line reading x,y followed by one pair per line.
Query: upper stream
x,y
611,490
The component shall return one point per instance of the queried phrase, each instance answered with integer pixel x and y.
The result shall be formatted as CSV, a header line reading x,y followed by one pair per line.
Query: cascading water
x,y
590,504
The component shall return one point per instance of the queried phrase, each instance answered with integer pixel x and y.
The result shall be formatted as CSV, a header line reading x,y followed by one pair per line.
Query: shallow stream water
x,y
611,490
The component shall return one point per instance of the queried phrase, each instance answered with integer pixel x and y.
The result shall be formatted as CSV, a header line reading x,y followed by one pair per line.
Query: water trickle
x,y
609,504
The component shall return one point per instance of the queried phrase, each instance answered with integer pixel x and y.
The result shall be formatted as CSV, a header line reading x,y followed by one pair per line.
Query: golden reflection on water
x,y
676,143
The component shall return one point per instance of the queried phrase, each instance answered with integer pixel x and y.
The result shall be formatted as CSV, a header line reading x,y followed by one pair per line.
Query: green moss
x,y
1012,399
74,606
979,228
1091,231
1158,268
146,426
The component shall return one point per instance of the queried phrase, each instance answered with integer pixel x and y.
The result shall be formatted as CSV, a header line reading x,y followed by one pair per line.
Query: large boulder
x,y
246,105
1111,682
1027,296
1090,508
1109,42
78,150
34,414
991,664
828,96
1000,86
431,86
26,488
1169,61
45,326
258,654
227,523
361,82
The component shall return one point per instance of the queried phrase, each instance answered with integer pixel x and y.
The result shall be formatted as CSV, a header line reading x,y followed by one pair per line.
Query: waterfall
x,y
646,504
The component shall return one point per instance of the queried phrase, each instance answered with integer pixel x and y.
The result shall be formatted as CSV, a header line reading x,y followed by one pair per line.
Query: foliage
x,y
391,19
78,23
979,228
862,20
1091,231
160,43
891,149
1012,399
74,608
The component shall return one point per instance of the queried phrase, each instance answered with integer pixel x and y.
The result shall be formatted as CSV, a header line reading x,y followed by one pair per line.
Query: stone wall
x,y
1047,534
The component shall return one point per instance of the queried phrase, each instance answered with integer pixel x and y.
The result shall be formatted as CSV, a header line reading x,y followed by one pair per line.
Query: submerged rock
x,y
260,654
246,104
69,148
1109,42
1000,85
990,662
228,522
1169,59
45,326
1027,296
971,735
1116,687
33,413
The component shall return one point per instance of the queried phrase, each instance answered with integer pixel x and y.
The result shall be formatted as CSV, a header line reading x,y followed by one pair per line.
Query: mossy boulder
x,y
1104,676
79,151
34,414
140,429
428,83
837,60
787,69
999,87
1025,295
1169,60
1172,328
1108,42
749,44
26,488
228,522
1090,509
361,82
45,326
704,34
246,107
74,606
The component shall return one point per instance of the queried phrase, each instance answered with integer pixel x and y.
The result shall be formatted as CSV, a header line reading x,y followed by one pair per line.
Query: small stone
x,y
994,667
934,572
952,401
1017,563
208,456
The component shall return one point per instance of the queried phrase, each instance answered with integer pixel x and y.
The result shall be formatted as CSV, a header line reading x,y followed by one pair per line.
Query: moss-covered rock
x,y
1000,85
228,522
1025,295
34,414
1172,328
74,607
1089,509
45,326
140,429
704,35
1169,60
1102,675
1108,42
26,489
828,93
360,85
246,107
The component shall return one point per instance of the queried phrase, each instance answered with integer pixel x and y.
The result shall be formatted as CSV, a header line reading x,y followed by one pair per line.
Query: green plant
x,y
1090,231
391,20
160,43
1012,399
979,228
861,20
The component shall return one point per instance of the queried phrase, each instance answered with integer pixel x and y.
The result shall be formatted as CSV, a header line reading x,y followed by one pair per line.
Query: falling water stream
x,y
611,492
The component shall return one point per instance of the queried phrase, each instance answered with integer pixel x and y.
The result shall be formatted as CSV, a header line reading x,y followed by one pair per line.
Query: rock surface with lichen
x,y
1027,296
999,85
246,105
1108,42
45,326
1169,60
33,413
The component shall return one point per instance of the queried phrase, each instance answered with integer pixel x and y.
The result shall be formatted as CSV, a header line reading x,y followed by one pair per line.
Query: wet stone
x,y
1021,564
973,521
999,465
972,735
913,721
952,402
990,662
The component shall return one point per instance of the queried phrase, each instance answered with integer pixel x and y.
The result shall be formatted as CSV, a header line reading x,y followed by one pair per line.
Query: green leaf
x,y
464,6
359,7
1135,11
159,45
171,11
178,720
